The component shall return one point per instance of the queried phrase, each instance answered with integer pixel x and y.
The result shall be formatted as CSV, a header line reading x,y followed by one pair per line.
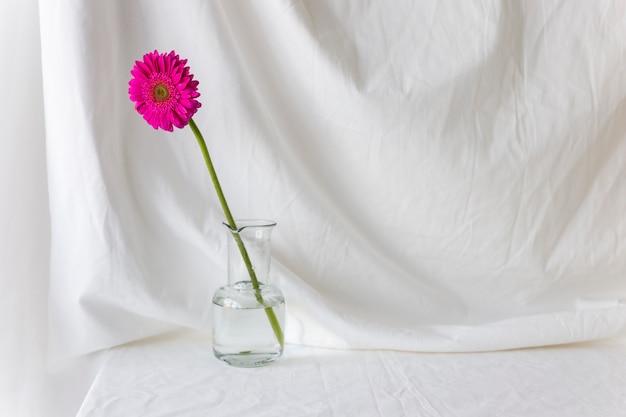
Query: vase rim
x,y
243,224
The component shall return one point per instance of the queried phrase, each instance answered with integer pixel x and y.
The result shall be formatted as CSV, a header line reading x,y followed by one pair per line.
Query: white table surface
x,y
177,375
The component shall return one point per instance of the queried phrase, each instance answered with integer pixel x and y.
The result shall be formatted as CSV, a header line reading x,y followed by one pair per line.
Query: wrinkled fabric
x,y
446,177
176,375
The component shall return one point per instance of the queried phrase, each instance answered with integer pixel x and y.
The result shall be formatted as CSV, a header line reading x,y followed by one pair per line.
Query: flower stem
x,y
269,311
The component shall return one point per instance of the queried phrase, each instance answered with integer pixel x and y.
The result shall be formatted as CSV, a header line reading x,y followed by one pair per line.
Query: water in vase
x,y
242,333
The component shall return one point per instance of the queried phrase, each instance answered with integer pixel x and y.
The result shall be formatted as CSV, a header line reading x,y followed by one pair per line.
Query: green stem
x,y
269,311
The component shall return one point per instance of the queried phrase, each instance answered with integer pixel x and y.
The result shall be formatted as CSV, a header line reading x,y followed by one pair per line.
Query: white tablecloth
x,y
178,376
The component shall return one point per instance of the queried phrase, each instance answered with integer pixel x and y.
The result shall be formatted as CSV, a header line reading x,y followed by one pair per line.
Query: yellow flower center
x,y
161,92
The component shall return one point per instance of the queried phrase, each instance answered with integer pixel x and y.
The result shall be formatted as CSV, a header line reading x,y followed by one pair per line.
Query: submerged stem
x,y
269,311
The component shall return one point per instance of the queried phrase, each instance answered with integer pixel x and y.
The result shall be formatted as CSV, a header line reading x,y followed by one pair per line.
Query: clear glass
x,y
242,333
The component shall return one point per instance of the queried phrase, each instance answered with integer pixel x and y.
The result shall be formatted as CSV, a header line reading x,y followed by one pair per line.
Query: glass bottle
x,y
249,312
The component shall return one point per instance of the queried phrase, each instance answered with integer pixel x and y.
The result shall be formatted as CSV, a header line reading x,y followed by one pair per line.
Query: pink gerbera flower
x,y
165,94
163,90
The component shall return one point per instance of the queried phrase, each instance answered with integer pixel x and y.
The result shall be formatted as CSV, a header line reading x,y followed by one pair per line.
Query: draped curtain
x,y
446,176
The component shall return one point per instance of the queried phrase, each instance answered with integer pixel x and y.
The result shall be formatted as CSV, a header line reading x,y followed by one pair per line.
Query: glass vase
x,y
249,312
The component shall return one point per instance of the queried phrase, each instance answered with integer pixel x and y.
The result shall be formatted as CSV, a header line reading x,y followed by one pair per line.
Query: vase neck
x,y
256,237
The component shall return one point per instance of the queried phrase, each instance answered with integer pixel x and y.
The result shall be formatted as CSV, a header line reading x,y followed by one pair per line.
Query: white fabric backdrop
x,y
24,230
445,176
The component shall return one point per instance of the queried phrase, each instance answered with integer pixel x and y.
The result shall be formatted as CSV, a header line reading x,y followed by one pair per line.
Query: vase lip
x,y
243,224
